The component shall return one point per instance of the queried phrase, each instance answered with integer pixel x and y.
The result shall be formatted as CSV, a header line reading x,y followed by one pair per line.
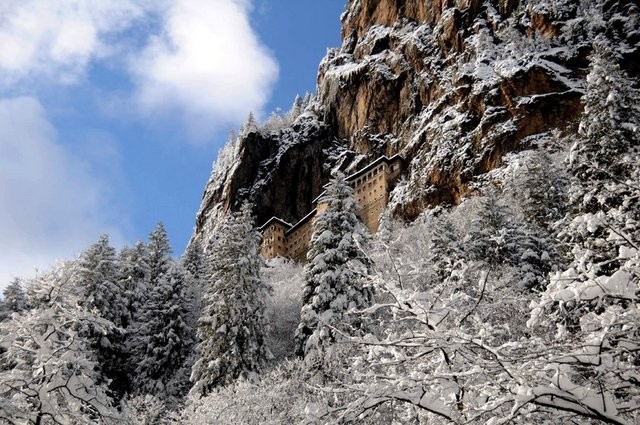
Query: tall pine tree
x,y
606,154
97,279
14,298
133,277
446,250
164,336
334,274
494,237
159,251
233,324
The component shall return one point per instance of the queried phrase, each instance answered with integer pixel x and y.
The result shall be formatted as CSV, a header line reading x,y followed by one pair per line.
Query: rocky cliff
x,y
452,85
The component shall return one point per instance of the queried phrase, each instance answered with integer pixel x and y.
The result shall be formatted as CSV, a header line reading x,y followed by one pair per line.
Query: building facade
x,y
371,185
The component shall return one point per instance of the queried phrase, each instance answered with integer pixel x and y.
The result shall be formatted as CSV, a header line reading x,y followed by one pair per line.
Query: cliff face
x,y
452,85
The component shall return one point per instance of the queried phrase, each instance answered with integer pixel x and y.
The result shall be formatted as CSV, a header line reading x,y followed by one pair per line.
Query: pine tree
x,y
540,189
307,100
133,277
385,229
606,154
233,324
296,109
193,262
593,302
445,249
249,126
334,274
537,258
604,164
164,337
497,239
493,238
159,253
97,278
149,265
603,232
14,298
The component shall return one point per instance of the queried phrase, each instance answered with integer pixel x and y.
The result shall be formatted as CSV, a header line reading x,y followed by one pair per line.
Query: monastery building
x,y
371,186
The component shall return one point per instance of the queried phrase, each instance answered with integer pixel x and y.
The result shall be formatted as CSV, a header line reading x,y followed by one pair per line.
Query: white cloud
x,y
58,39
51,203
197,58
207,64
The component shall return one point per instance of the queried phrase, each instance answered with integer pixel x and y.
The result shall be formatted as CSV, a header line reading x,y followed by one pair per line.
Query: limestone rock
x,y
451,85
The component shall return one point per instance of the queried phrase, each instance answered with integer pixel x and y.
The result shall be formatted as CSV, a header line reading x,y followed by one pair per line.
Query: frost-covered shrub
x,y
145,410
53,375
278,397
283,305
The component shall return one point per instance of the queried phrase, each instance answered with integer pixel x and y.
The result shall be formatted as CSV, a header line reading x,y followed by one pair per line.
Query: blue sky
x,y
111,113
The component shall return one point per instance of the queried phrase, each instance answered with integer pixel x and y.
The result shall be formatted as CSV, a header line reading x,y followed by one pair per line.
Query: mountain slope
x,y
452,85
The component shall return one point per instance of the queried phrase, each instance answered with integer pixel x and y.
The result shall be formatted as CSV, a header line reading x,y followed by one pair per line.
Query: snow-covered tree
x,y
593,304
97,275
493,238
604,163
539,188
446,249
275,122
133,277
97,279
146,409
163,336
250,125
54,377
232,327
279,397
334,276
385,227
606,153
306,101
158,253
296,109
14,298
193,261
283,306
464,351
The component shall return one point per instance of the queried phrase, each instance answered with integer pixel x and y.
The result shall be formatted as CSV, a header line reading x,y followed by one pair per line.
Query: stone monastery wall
x,y
371,186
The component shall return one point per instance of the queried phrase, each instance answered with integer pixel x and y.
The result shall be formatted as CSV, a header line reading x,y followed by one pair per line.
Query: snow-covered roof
x,y
272,220
317,198
374,164
303,220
